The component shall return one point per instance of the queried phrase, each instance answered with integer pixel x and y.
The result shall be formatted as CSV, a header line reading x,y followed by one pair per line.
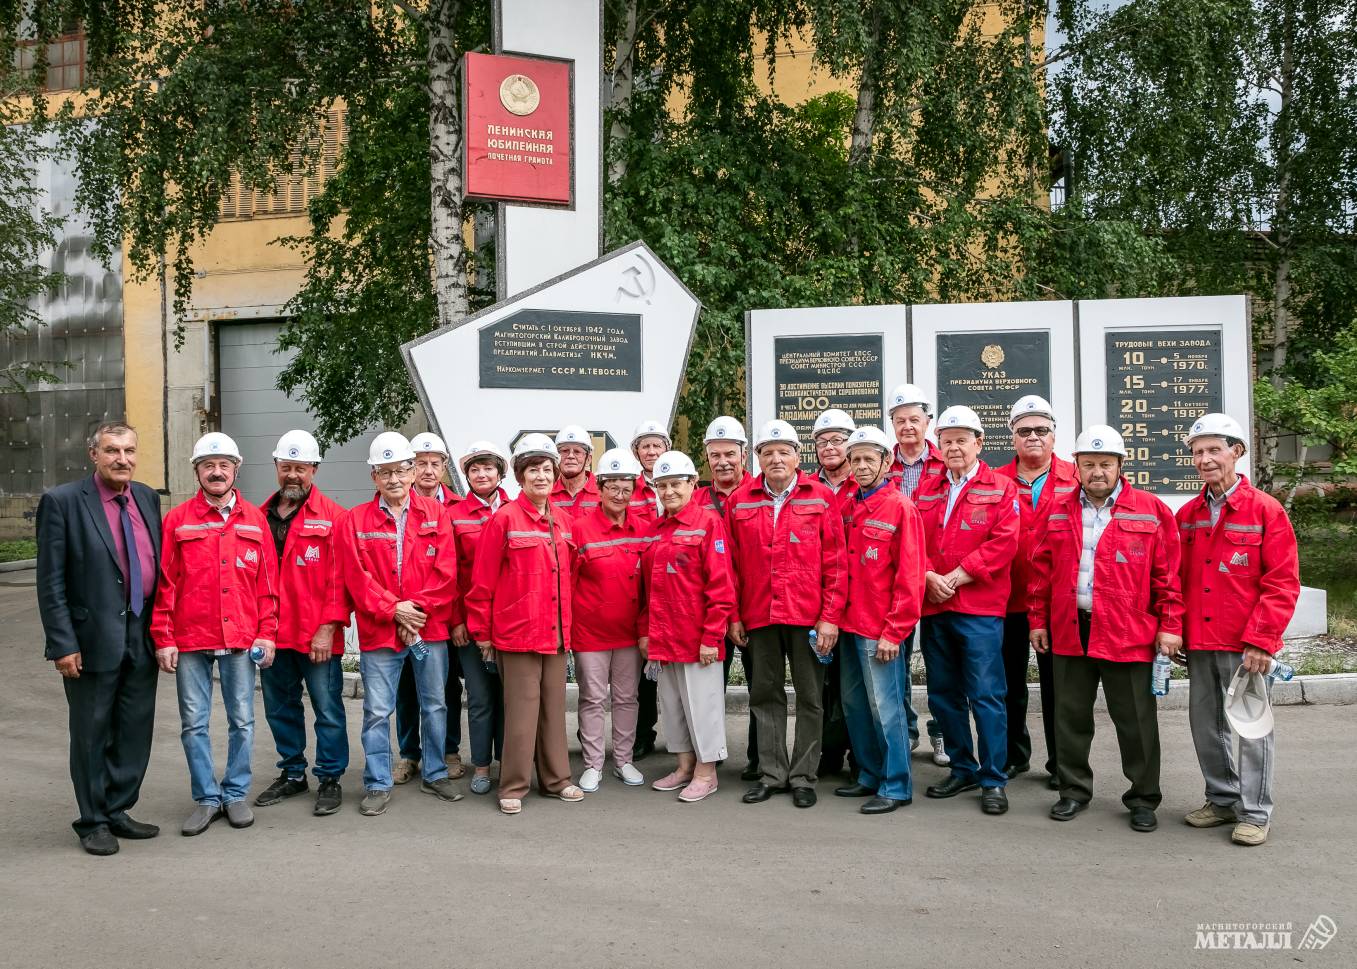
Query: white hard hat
x,y
1100,439
776,432
1216,425
216,445
297,446
1030,405
429,443
618,463
870,436
673,464
960,416
388,447
1247,706
833,420
907,395
725,429
574,434
483,449
650,429
536,445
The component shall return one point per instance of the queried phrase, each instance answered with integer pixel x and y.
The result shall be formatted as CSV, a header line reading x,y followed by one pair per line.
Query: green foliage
x,y
1322,414
18,551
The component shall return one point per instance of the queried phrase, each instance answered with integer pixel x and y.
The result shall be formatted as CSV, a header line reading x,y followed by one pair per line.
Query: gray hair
x,y
116,428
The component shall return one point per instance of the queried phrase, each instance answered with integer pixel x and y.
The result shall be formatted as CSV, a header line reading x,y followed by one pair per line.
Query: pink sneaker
x,y
671,782
697,790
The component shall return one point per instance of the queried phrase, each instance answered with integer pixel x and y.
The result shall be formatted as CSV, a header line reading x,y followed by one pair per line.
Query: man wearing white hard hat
x,y
313,610
1042,478
576,490
431,466
217,600
1241,579
1104,598
971,521
400,567
789,559
726,448
648,442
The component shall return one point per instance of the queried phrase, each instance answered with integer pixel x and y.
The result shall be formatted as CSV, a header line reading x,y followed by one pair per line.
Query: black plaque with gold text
x,y
814,373
562,350
988,371
1158,383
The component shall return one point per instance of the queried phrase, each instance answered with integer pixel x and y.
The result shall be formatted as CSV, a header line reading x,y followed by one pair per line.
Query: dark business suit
x,y
83,602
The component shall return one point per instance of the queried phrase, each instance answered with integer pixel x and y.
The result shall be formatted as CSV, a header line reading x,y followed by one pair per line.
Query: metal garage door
x,y
256,413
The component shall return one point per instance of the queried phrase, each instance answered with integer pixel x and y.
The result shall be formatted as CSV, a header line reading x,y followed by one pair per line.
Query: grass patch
x,y
19,550
1328,560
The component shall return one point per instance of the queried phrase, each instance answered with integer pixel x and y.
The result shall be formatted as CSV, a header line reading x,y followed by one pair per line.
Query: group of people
x,y
648,583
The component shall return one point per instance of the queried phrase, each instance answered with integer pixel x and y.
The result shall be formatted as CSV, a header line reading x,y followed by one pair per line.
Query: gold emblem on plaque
x,y
519,95
992,356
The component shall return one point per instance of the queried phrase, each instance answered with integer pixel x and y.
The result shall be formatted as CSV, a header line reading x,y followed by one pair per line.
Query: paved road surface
x,y
633,878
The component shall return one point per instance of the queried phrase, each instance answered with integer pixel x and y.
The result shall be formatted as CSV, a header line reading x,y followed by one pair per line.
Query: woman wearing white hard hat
x,y
607,601
483,466
519,614
689,595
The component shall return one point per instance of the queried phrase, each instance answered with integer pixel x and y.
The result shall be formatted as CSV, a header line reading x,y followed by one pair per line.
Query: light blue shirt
x,y
1095,522
954,488
1217,505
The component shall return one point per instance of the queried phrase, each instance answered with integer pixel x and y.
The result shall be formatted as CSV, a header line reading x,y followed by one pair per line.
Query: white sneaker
x,y
589,780
940,753
629,775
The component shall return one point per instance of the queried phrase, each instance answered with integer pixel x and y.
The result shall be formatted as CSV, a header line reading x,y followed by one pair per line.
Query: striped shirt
x,y
954,488
912,471
400,532
1095,522
1217,505
779,500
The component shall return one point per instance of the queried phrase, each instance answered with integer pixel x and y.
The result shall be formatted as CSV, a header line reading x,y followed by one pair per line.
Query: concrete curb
x,y
18,565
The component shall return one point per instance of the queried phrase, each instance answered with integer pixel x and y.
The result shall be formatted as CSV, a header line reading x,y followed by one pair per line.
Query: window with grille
x,y
293,189
65,60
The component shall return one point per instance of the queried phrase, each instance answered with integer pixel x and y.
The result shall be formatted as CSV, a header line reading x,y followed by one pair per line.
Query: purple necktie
x,y
136,595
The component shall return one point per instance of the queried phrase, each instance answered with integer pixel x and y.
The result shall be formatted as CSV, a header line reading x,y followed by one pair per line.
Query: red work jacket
x,y
1241,579
843,498
310,581
886,556
934,466
645,504
706,496
981,537
1136,593
1061,480
520,598
607,581
218,584
687,589
792,572
469,516
581,502
427,576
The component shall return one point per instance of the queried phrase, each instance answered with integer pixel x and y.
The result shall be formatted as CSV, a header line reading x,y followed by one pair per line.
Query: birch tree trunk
x,y
1281,233
864,118
620,91
445,166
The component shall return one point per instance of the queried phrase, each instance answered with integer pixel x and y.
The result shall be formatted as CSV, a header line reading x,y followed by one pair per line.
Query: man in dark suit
x,y
98,558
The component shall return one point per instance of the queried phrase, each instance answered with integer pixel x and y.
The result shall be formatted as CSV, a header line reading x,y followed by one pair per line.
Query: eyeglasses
x,y
386,474
619,488
1030,431
830,441
670,484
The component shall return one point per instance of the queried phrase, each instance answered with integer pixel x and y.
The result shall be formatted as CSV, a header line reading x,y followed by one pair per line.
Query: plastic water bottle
x,y
824,658
257,654
1279,671
570,665
491,666
419,649
1159,681
652,670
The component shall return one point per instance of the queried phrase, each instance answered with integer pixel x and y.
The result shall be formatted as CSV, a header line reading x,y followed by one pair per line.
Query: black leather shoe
x,y
1053,783
761,792
884,805
643,750
133,829
854,790
952,787
751,773
1013,770
804,797
1143,819
993,800
100,841
1066,808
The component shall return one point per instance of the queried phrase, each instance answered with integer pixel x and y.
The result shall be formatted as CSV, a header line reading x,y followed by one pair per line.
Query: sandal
x,y
672,782
568,793
510,805
456,769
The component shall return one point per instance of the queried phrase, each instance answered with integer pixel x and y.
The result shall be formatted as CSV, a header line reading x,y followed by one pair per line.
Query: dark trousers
x,y
747,661
964,658
835,743
774,647
647,712
407,708
907,650
1130,704
1017,652
111,719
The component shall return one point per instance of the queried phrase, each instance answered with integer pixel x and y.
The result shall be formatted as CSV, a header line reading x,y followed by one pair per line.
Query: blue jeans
x,y
484,706
907,650
287,717
381,670
964,657
193,683
407,710
874,705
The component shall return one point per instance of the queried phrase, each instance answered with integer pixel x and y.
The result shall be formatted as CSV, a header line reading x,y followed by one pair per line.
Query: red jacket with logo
x,y
427,577
706,496
469,516
1136,593
934,466
218,584
793,572
581,502
1241,579
520,598
886,558
687,589
644,503
848,489
981,537
1061,480
606,581
310,581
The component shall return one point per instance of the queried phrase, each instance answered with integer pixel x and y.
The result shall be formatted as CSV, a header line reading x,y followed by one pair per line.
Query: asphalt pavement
x,y
631,877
